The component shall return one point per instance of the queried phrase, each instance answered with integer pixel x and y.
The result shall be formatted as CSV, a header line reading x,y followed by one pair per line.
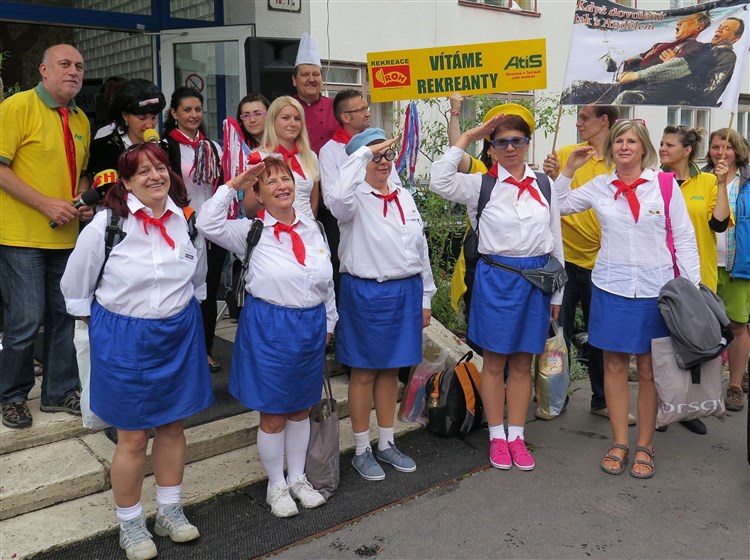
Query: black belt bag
x,y
550,279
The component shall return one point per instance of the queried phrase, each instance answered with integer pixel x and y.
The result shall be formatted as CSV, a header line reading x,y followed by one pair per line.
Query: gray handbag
x,y
322,465
550,279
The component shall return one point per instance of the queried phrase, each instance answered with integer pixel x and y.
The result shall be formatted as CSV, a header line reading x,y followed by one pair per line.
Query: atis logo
x,y
389,76
522,62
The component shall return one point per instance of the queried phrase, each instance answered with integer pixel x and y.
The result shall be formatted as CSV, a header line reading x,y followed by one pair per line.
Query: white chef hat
x,y
308,52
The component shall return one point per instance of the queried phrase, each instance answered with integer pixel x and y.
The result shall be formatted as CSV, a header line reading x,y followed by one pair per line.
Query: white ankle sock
x,y
296,440
515,432
361,442
385,437
126,514
167,495
497,432
271,452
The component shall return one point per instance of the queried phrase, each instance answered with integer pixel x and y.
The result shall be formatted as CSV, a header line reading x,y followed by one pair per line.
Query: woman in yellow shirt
x,y
707,204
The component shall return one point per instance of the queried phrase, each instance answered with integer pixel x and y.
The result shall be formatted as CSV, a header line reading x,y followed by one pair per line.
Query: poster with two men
x,y
694,56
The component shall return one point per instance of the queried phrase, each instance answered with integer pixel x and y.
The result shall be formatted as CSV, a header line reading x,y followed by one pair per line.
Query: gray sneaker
x,y
394,457
367,466
136,540
175,525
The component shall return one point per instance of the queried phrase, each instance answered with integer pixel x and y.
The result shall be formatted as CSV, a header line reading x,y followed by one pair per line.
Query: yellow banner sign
x,y
473,69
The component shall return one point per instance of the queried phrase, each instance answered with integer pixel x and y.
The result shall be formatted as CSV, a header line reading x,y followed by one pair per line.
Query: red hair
x,y
130,161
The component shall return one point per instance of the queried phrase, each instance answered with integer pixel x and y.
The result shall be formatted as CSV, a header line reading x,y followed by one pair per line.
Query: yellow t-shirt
x,y
699,192
33,145
581,232
458,285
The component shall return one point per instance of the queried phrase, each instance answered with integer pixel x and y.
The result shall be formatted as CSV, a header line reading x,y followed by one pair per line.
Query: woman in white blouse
x,y
385,293
288,318
519,227
286,134
633,263
148,367
198,162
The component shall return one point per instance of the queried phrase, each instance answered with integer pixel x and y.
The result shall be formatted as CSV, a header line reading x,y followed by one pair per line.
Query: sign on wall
x,y
285,5
475,69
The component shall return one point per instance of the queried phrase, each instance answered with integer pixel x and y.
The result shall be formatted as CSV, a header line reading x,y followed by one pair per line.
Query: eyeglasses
x,y
364,109
254,114
515,141
388,155
642,121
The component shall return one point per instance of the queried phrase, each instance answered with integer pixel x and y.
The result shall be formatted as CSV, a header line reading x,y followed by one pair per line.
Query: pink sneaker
x,y
499,454
522,459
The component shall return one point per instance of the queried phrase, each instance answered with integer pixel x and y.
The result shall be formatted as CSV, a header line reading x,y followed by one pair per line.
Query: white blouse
x,y
274,274
373,246
634,260
143,277
509,226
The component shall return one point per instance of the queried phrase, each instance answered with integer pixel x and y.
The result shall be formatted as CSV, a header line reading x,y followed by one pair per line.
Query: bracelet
x,y
452,112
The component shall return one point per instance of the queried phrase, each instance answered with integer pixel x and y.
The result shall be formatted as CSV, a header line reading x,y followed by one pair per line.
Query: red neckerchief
x,y
180,138
298,247
158,222
629,192
341,136
70,150
525,184
291,160
388,198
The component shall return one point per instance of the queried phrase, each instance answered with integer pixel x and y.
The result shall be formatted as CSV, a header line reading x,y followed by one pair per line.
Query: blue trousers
x,y
30,288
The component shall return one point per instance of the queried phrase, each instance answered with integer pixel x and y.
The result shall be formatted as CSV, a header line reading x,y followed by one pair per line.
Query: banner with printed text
x,y
694,56
474,69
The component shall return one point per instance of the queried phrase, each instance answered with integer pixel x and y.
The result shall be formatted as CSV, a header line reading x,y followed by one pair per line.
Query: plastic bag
x,y
413,402
83,354
552,376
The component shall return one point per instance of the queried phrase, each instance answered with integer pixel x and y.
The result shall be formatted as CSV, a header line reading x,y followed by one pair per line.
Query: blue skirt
x,y
508,314
380,323
148,372
278,357
621,324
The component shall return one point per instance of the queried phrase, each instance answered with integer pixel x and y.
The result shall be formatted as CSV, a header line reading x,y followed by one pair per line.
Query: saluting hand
x,y
577,159
484,129
247,178
381,147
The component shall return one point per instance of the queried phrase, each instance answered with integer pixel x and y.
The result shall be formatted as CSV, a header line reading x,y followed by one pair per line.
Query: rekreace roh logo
x,y
523,62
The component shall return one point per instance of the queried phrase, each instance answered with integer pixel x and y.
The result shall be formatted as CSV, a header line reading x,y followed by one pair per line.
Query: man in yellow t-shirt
x,y
581,238
44,150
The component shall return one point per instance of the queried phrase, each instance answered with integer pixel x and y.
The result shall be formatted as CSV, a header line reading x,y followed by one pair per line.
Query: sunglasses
x,y
388,155
515,141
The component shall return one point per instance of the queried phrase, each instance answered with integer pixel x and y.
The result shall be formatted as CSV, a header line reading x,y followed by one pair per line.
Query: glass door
x,y
211,60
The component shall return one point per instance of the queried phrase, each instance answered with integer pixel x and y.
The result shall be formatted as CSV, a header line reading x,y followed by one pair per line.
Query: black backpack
x,y
453,402
471,239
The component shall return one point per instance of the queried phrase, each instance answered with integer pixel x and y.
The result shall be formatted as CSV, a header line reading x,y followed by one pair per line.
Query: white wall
x,y
361,26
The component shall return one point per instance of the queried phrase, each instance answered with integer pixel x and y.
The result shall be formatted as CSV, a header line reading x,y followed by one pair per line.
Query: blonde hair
x,y
270,142
649,159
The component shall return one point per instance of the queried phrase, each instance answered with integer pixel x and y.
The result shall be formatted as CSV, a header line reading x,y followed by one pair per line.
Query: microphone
x,y
87,199
150,135
104,180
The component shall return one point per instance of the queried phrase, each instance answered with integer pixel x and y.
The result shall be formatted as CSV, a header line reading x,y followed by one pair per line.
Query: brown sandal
x,y
638,462
621,461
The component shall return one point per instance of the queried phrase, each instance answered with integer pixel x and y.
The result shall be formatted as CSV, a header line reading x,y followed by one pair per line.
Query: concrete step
x,y
89,516
40,476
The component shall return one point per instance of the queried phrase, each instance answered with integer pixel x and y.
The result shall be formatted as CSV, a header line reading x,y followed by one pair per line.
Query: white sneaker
x,y
280,501
308,496
136,541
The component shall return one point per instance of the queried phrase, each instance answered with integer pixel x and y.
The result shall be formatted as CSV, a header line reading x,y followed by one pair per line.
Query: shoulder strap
x,y
488,183
112,236
190,217
253,236
543,181
665,186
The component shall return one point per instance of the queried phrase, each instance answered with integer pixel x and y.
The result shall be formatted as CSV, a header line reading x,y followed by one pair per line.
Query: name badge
x,y
188,252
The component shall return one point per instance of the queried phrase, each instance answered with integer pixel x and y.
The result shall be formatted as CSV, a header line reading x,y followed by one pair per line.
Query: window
x,y
528,6
343,75
694,118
